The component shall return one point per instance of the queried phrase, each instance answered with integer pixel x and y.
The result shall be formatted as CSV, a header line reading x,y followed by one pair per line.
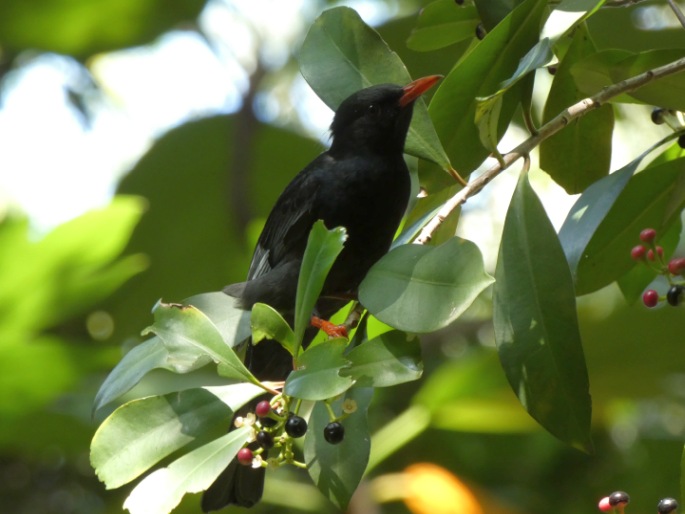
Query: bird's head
x,y
377,118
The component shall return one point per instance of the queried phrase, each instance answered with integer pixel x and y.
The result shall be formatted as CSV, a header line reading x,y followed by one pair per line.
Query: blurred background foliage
x,y
74,297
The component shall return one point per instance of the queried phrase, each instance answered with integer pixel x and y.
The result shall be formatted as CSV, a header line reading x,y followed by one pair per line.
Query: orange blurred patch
x,y
431,489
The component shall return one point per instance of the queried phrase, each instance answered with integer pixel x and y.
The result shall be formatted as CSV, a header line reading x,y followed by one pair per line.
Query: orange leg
x,y
328,327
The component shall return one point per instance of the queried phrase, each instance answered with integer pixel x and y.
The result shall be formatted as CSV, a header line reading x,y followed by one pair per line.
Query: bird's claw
x,y
329,328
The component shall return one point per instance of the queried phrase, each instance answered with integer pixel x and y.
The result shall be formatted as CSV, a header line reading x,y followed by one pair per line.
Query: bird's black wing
x,y
287,227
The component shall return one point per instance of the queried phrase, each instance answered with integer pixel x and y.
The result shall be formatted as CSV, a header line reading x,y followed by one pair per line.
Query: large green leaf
x,y
443,23
581,153
140,433
186,330
83,27
318,374
341,55
536,326
653,198
323,247
387,360
480,73
337,469
232,322
421,289
162,490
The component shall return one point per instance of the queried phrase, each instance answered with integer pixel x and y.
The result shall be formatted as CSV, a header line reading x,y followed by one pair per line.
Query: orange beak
x,y
415,89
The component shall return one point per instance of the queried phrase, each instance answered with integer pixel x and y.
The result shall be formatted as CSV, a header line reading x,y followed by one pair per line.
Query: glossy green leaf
x,y
480,73
536,326
390,359
140,433
422,289
318,374
567,15
593,73
341,55
161,491
267,323
580,154
443,23
337,469
653,198
323,247
424,210
589,211
232,322
186,330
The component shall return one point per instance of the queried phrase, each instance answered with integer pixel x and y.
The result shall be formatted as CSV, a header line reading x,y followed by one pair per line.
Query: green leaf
x,y
567,15
593,73
341,55
667,92
479,73
443,23
137,363
323,247
581,153
653,198
390,359
422,289
589,211
232,322
140,433
267,323
161,491
337,469
185,329
536,326
317,376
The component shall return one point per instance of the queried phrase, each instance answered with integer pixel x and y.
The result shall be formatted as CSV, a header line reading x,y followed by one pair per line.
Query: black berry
x,y
674,295
265,439
658,115
681,141
480,31
334,432
295,426
667,505
619,497
268,422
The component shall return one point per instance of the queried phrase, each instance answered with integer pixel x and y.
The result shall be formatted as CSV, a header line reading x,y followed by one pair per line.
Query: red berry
x,y
245,456
648,235
650,298
676,266
650,255
638,253
604,504
660,251
262,409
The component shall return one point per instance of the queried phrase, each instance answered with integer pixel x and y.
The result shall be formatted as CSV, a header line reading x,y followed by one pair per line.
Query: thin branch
x,y
678,13
546,131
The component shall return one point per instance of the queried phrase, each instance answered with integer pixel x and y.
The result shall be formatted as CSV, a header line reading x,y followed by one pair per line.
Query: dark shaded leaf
x,y
536,326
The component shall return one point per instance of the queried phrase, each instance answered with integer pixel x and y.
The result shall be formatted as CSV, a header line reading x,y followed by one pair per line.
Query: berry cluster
x,y
674,119
653,256
276,426
618,500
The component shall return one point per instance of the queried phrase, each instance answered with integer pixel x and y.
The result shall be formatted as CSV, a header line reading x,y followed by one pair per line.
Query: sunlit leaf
x,y
341,55
421,289
267,323
567,15
536,326
232,322
323,247
162,490
140,433
337,469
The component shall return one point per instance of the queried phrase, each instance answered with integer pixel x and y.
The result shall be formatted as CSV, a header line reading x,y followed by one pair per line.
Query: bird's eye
x,y
373,109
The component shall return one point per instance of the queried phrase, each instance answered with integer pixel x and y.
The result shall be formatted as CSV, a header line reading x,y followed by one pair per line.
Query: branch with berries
x,y
652,255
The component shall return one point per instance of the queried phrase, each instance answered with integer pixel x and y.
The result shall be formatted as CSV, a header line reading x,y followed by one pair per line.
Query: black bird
x,y
361,183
